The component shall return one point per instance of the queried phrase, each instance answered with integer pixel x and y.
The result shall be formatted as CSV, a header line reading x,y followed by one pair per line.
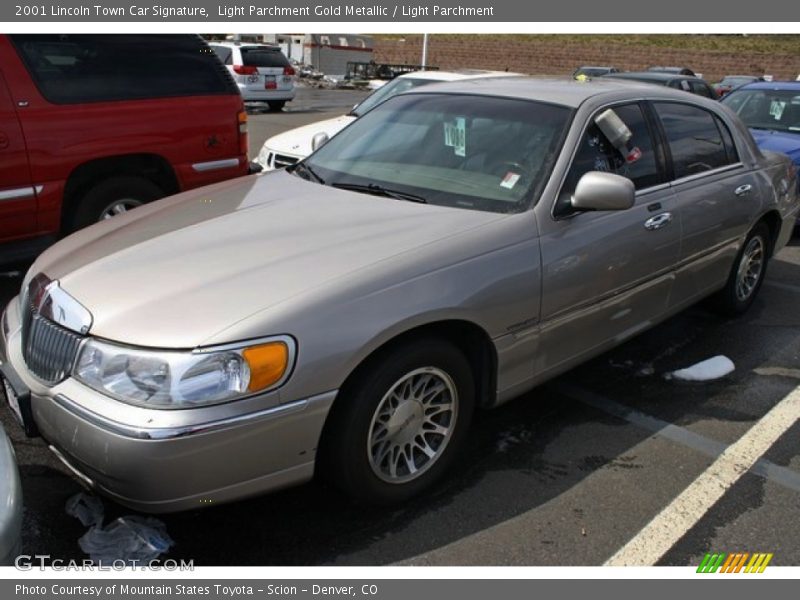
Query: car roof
x,y
659,76
566,92
772,85
457,74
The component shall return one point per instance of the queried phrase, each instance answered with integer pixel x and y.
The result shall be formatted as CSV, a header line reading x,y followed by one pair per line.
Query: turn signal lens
x,y
267,362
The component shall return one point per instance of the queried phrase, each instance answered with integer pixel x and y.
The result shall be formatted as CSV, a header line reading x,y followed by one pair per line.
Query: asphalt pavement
x,y
571,473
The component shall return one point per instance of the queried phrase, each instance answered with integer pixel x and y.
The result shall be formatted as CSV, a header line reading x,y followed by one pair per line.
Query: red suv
x,y
94,125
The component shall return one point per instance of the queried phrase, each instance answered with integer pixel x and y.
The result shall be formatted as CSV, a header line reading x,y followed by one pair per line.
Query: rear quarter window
x,y
71,69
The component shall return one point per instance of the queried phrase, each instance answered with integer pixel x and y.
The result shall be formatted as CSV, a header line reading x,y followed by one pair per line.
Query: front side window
x,y
640,162
474,152
695,138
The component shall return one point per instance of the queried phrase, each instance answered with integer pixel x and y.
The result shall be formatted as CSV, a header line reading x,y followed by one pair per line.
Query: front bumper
x,y
170,460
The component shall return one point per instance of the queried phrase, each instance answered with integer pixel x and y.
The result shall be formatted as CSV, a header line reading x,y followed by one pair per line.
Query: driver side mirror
x,y
597,190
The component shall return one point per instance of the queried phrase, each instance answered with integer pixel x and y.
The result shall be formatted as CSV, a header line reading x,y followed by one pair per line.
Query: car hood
x,y
779,141
178,271
297,142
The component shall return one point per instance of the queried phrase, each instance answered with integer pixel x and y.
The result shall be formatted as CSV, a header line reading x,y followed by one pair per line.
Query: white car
x,y
290,146
261,72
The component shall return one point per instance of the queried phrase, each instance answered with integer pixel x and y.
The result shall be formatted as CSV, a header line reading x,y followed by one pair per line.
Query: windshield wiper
x,y
302,167
379,190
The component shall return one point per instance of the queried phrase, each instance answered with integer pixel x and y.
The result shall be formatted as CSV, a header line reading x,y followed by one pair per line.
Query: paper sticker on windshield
x,y
776,109
455,136
510,180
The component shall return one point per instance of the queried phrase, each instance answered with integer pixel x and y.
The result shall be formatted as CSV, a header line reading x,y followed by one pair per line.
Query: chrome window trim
x,y
712,172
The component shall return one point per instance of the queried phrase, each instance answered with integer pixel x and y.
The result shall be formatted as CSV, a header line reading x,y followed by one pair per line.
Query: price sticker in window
x,y
455,136
510,180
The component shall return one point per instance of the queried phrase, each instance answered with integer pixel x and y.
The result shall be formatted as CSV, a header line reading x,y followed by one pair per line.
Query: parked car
x,y
731,82
261,72
772,112
687,83
673,70
454,247
290,146
94,125
589,71
10,503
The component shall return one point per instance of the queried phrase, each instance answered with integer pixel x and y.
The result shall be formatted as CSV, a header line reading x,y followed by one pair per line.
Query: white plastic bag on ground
x,y
87,509
707,370
133,539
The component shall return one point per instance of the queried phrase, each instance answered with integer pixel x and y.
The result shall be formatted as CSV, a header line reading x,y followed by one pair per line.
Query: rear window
x,y
263,56
71,69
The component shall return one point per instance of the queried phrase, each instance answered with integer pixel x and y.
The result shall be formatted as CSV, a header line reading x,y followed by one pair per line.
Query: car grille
x,y
49,350
282,160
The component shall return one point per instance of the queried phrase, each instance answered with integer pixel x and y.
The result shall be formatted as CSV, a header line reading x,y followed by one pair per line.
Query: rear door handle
x,y
658,221
743,189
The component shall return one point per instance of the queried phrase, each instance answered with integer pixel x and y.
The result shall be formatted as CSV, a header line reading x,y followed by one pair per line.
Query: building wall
x,y
330,53
547,55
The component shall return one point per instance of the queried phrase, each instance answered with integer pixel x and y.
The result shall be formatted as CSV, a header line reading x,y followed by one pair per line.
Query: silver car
x,y
453,248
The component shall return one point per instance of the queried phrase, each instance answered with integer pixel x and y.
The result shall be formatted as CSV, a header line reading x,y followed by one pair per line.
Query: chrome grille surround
x,y
49,350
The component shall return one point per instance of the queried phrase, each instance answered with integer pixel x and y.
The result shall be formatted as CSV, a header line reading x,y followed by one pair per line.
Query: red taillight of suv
x,y
287,70
242,118
245,70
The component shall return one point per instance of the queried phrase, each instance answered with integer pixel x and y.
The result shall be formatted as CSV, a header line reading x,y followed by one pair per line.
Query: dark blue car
x,y
771,109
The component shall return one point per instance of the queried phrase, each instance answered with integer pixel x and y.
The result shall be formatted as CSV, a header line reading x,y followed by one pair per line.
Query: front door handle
x,y
743,189
658,221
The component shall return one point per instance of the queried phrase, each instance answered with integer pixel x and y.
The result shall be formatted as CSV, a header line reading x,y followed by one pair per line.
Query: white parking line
x,y
683,513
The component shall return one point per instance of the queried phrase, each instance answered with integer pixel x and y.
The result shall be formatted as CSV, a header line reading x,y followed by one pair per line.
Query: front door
x,y
607,275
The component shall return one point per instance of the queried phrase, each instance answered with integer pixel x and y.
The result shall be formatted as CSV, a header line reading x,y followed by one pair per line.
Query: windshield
x,y
475,152
394,87
767,109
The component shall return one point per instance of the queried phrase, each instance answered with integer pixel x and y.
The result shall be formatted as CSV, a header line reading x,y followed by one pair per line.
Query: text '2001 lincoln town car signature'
x,y
451,249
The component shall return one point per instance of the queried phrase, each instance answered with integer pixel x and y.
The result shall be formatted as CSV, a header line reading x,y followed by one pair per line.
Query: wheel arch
x,y
82,178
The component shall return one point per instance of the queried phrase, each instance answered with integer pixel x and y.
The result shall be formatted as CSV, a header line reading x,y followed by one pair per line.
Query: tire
x,y
381,472
114,196
747,273
276,105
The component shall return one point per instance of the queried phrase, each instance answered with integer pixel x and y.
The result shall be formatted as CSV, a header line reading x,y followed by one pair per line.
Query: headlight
x,y
263,157
162,379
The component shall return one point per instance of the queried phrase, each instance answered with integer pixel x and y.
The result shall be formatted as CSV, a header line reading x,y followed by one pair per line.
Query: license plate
x,y
270,83
13,401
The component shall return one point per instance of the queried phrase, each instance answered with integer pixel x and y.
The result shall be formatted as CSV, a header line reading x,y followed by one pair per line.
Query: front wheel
x,y
398,427
747,273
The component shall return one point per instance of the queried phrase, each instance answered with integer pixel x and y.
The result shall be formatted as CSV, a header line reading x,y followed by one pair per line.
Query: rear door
x,y
717,195
17,193
272,69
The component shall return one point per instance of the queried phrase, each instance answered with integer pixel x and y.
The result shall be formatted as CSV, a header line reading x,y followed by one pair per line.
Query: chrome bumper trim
x,y
166,433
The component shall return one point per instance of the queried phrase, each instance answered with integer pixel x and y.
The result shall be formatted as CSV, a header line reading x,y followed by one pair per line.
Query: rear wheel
x,y
396,430
747,273
276,105
113,197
